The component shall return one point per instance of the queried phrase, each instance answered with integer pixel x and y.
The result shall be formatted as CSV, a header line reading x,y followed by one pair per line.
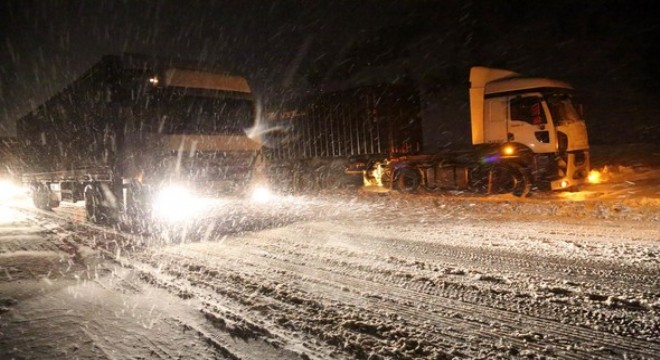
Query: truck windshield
x,y
170,114
562,109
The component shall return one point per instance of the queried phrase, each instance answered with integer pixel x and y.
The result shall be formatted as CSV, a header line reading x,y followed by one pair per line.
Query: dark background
x,y
607,49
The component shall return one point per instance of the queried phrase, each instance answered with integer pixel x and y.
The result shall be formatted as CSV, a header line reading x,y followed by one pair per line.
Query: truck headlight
x,y
261,194
9,189
175,202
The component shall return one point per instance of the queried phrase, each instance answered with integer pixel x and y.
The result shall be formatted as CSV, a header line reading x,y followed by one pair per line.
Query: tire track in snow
x,y
415,295
335,267
226,306
287,308
111,242
312,263
497,262
508,259
567,332
435,298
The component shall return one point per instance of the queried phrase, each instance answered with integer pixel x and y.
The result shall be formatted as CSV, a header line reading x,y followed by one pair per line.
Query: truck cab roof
x,y
518,84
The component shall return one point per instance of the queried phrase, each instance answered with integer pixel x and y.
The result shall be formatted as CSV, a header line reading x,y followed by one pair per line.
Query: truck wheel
x,y
504,179
41,197
94,211
407,180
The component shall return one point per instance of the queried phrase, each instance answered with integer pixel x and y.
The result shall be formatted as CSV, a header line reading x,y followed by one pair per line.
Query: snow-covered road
x,y
343,277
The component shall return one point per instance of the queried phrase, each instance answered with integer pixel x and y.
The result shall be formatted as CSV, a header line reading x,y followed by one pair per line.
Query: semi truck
x,y
137,136
527,133
314,139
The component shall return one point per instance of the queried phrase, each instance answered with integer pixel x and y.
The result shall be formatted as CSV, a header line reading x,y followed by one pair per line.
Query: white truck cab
x,y
534,120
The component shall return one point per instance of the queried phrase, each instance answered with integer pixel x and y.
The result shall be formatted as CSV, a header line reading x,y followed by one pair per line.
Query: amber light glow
x,y
595,177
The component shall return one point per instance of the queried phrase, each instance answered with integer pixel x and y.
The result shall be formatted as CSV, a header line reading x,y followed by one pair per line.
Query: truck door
x,y
529,125
495,120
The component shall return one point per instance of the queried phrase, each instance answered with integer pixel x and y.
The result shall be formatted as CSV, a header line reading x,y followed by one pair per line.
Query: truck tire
x,y
43,198
504,179
40,197
94,210
407,180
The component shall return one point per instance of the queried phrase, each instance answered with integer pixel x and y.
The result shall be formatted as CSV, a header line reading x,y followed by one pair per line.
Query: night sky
x,y
607,49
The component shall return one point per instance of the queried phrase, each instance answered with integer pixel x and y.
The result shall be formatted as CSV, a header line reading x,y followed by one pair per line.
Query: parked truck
x,y
526,133
137,135
313,139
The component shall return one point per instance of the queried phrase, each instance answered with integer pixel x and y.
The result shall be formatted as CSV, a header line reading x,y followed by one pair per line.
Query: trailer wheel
x,y
503,179
94,210
407,180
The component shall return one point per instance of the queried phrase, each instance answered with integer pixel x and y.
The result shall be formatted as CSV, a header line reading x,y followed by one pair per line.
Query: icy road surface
x,y
368,277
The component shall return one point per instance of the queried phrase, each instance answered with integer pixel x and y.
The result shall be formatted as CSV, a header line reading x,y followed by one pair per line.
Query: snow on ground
x,y
409,289
418,277
60,299
345,275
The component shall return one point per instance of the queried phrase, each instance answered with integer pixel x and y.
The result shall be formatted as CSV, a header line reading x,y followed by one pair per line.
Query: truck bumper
x,y
573,170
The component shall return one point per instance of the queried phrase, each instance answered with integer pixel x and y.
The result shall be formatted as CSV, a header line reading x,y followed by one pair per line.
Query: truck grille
x,y
580,158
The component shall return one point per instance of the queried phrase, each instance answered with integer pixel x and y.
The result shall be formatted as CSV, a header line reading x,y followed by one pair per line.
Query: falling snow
x,y
346,273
